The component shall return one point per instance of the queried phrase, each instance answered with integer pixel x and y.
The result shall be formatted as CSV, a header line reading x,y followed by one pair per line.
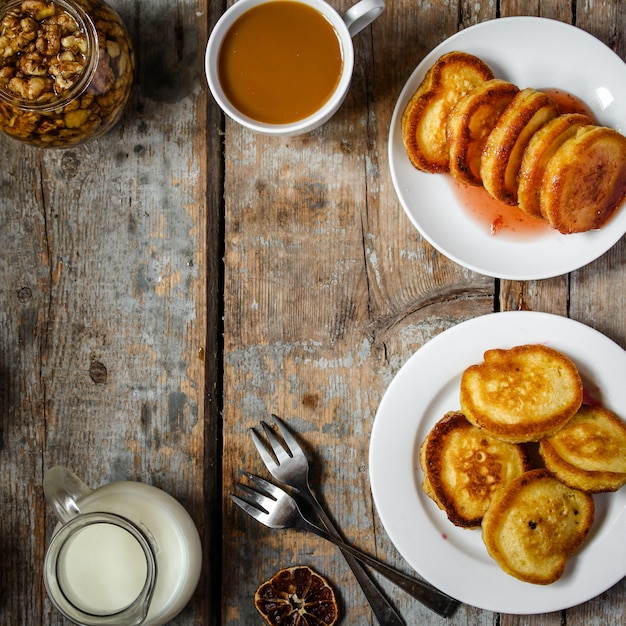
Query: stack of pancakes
x,y
516,143
477,466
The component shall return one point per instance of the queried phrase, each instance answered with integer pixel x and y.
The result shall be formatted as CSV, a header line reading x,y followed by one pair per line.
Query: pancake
x,y
542,145
589,452
584,181
464,467
521,394
502,155
425,116
469,124
535,524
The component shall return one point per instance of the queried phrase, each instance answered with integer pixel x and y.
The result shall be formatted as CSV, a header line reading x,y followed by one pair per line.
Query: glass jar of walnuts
x,y
66,70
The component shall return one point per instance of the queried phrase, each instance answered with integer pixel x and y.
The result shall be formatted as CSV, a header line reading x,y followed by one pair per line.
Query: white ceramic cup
x,y
346,26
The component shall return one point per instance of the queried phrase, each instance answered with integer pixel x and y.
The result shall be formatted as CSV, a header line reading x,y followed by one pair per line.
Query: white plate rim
x,y
429,200
416,398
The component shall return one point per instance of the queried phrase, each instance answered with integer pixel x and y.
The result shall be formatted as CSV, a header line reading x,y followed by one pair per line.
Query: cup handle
x,y
362,14
63,489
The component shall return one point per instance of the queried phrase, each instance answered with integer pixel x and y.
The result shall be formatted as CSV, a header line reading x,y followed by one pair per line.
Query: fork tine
x,y
266,487
279,450
258,515
290,440
260,500
267,458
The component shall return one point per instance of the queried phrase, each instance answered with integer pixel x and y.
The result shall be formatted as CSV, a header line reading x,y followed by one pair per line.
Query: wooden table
x,y
129,350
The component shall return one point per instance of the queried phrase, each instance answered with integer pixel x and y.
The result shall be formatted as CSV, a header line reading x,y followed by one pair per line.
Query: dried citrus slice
x,y
297,596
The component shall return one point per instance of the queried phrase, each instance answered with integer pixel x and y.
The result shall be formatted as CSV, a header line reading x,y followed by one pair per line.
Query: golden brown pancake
x,y
505,145
589,452
425,116
464,467
534,524
584,181
542,145
483,130
521,394
469,124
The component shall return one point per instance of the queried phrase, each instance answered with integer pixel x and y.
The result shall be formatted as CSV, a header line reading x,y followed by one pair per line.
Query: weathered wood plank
x,y
328,291
104,303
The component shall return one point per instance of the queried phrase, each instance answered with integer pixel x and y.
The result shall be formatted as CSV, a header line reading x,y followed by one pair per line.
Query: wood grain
x,y
329,289
172,283
105,269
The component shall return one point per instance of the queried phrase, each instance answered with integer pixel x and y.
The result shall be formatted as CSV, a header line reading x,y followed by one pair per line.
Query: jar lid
x,y
48,53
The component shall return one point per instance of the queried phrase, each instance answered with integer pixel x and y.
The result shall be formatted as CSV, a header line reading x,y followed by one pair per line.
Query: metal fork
x,y
290,466
275,508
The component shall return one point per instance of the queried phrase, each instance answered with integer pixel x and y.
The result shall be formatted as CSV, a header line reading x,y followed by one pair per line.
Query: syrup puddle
x,y
569,103
496,217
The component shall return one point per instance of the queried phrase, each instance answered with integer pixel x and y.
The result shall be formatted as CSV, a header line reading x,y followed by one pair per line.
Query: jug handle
x,y
63,489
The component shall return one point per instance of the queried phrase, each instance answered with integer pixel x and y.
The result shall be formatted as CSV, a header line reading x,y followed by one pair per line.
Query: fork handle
x,y
429,596
384,612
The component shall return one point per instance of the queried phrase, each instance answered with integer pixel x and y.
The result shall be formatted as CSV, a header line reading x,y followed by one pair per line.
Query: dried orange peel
x,y
297,596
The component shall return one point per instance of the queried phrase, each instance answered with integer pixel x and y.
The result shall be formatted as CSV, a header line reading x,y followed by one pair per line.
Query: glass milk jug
x,y
124,554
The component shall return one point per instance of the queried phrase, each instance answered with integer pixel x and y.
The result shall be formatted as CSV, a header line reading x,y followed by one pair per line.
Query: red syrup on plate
x,y
500,218
497,217
569,103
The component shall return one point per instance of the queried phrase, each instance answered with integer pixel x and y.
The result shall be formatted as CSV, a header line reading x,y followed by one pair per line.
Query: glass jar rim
x,y
86,25
129,614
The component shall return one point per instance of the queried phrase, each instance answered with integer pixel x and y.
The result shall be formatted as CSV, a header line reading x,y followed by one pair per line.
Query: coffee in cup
x,y
284,67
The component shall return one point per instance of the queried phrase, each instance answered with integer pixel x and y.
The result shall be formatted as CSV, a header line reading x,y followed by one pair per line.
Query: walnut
x,y
16,35
75,43
86,100
9,25
49,40
113,48
6,73
38,9
66,69
27,88
48,125
28,26
66,23
75,119
33,65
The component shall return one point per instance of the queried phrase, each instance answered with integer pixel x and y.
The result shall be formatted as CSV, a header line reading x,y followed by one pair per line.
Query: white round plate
x,y
529,52
454,559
